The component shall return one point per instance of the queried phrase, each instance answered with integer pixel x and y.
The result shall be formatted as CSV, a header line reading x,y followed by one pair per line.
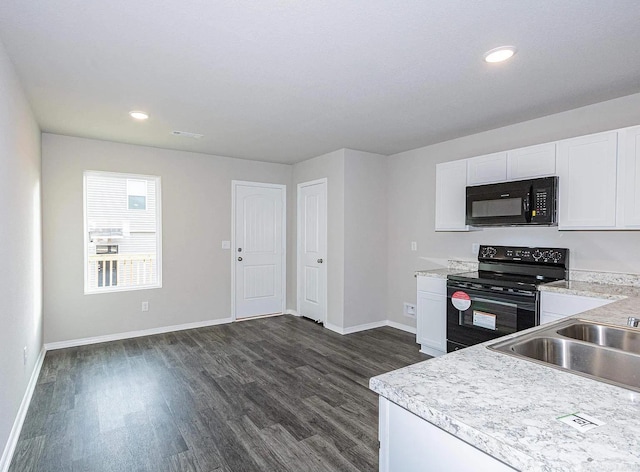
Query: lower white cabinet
x,y
555,306
410,444
431,331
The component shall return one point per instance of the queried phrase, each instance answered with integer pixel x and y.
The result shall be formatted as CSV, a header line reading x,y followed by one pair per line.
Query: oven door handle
x,y
498,297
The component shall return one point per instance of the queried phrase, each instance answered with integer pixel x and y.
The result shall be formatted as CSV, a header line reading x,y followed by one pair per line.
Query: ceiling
x,y
286,80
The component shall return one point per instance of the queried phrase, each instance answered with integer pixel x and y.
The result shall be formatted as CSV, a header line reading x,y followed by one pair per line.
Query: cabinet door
x,y
629,178
562,305
587,181
451,199
531,162
487,169
432,321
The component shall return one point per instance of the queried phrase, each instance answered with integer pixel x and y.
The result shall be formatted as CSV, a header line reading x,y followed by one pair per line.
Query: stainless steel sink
x,y
610,336
602,352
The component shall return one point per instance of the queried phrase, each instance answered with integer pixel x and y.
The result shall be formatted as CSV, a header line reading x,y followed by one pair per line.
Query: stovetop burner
x,y
518,281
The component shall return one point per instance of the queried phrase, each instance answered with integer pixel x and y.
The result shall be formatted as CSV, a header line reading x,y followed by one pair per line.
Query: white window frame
x,y
131,194
126,176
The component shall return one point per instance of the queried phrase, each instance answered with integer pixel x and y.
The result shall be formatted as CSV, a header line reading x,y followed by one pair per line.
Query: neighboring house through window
x,y
122,220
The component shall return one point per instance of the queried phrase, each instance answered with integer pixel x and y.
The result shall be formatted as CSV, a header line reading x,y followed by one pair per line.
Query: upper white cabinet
x,y
487,169
629,178
599,180
531,162
451,196
587,181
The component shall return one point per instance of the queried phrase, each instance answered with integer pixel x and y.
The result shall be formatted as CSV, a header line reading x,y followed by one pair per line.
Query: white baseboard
x,y
292,312
366,326
357,328
133,334
10,447
402,327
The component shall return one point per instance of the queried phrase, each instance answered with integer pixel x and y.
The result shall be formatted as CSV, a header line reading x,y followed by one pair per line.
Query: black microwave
x,y
518,203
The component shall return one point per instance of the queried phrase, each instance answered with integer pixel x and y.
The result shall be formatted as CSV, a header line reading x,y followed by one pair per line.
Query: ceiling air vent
x,y
186,134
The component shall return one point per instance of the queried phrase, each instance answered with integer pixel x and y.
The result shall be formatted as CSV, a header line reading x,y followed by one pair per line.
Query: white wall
x,y
365,238
332,167
20,245
196,217
357,234
411,202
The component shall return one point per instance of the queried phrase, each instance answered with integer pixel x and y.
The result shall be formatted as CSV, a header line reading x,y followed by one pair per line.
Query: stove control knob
x,y
488,251
537,254
556,256
546,255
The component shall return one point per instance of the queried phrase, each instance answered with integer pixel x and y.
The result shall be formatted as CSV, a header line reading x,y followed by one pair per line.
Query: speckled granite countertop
x,y
507,407
437,273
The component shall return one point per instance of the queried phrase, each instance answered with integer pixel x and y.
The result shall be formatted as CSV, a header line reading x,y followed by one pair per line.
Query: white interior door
x,y
259,248
312,250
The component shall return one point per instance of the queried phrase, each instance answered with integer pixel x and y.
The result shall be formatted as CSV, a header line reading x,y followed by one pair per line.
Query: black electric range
x,y
502,296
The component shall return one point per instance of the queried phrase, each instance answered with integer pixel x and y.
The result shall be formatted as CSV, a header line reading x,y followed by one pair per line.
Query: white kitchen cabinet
x,y
487,169
629,178
555,306
587,170
451,196
532,162
431,316
410,444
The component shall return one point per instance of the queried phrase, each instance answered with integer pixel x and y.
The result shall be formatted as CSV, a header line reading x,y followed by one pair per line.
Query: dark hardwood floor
x,y
271,394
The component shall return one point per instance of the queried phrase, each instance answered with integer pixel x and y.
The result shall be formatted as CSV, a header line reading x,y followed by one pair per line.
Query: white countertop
x,y
508,407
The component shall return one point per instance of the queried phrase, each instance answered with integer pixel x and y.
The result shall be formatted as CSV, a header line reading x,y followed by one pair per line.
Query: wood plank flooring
x,y
270,394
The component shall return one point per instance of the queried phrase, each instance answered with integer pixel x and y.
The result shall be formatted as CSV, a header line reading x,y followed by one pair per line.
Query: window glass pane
x,y
136,187
123,247
137,203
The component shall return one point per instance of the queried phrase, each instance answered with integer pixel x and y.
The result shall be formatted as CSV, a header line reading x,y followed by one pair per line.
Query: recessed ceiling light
x,y
499,54
139,115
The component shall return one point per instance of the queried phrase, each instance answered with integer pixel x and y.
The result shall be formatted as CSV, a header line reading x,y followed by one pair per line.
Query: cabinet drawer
x,y
432,284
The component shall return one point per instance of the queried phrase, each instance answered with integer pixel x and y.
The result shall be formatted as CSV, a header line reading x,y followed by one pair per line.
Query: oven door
x,y
476,315
501,204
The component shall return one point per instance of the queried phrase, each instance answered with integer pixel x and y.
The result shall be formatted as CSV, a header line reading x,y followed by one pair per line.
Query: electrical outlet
x,y
414,245
145,306
24,356
475,247
409,310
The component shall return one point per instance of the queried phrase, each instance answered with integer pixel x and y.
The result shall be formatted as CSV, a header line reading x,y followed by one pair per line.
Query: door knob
x,y
319,261
239,259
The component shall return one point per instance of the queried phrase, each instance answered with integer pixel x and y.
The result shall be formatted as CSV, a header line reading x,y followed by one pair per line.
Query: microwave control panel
x,y
540,203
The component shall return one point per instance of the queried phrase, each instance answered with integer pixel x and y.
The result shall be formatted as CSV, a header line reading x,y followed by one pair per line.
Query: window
x,y
122,220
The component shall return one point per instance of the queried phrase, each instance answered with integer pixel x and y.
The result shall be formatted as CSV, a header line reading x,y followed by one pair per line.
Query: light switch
x,y
414,245
226,244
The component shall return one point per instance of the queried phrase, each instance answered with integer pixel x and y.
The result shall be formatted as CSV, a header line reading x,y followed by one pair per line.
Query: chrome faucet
x,y
633,322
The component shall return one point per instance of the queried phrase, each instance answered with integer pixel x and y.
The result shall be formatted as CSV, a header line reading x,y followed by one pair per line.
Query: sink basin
x,y
602,352
604,335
